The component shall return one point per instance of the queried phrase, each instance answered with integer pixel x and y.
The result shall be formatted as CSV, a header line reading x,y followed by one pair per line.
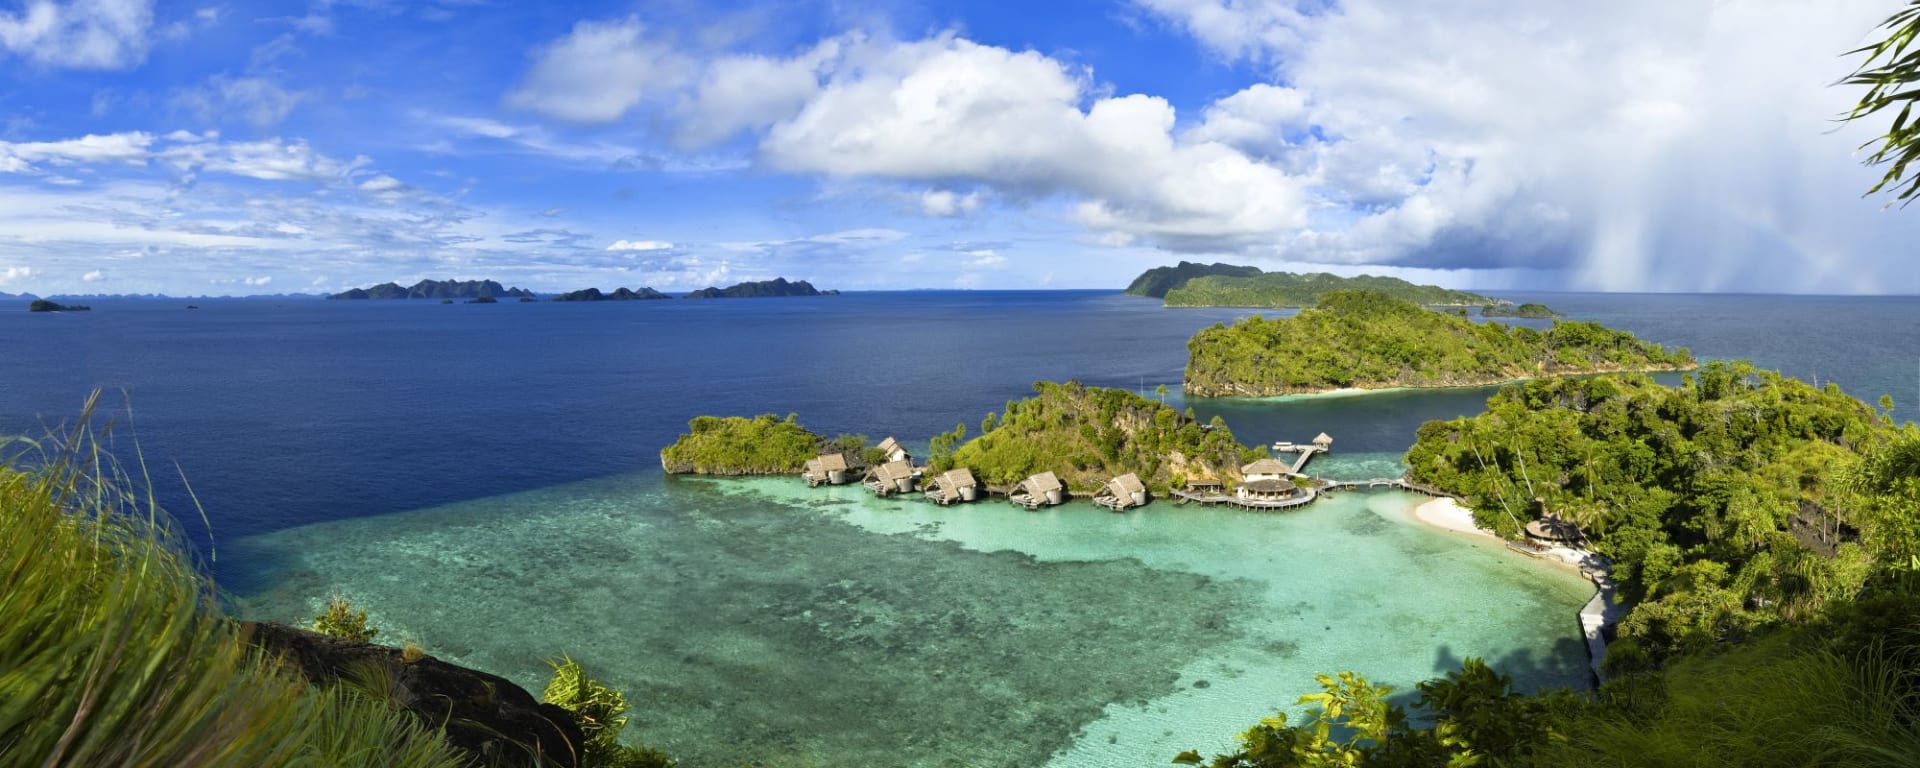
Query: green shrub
x,y
601,713
339,619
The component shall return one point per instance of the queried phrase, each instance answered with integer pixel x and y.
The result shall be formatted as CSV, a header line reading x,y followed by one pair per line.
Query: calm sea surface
x,y
485,479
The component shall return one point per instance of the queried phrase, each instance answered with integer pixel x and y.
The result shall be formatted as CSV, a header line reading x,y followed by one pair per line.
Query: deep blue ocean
x,y
484,479
288,412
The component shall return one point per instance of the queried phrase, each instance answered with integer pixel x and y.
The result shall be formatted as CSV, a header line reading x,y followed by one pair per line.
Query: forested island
x,y
1156,282
1087,435
1369,340
1764,532
761,289
619,294
43,305
1527,310
1275,290
436,289
760,445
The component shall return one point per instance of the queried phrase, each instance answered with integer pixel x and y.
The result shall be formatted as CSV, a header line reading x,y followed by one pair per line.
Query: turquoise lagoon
x,y
762,622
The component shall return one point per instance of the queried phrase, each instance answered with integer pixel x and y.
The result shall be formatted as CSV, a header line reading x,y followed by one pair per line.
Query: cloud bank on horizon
x,y
312,146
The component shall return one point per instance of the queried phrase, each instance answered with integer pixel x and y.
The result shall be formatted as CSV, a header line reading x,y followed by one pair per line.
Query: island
x,y
1155,283
435,289
43,305
760,445
1275,290
761,289
1368,340
619,294
1086,436
1527,310
483,300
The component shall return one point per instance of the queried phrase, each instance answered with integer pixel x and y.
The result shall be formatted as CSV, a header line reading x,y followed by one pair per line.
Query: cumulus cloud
x,y
20,157
14,274
94,276
598,72
943,202
741,92
640,245
83,34
1639,144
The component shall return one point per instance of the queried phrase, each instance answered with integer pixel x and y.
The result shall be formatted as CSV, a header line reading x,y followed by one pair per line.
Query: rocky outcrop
x,y
435,289
775,287
500,723
619,294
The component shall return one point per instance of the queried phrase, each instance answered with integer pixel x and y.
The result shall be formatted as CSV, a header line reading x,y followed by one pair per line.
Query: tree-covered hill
x,y
1726,503
1156,282
436,289
1088,435
761,445
1274,290
1368,340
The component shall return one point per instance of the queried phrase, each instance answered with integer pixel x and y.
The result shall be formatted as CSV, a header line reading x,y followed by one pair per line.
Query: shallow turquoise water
x,y
759,620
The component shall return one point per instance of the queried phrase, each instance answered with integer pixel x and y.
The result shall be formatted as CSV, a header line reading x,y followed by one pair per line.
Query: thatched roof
x,y
1553,529
955,479
1269,486
890,445
1323,440
893,470
1266,467
831,462
1128,483
1041,483
1205,482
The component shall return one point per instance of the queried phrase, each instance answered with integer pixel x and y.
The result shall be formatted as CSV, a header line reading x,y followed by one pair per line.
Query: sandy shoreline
x,y
1445,512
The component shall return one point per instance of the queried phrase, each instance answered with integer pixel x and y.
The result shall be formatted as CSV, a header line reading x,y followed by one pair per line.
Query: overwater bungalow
x,y
954,486
1041,490
1324,442
890,478
828,469
1122,493
1268,490
1266,469
894,450
1206,486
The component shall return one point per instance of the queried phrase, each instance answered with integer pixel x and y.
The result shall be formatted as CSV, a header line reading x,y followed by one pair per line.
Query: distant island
x,y
1274,290
1507,309
42,305
1088,435
619,294
764,288
1156,282
1370,340
436,289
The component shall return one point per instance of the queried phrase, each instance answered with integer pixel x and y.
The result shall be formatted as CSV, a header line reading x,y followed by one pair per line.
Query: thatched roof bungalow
x,y
1122,493
1268,490
894,450
1266,469
891,478
1554,529
1324,441
1044,489
953,486
828,468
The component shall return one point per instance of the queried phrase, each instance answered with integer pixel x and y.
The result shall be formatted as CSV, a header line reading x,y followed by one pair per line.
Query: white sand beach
x,y
1445,512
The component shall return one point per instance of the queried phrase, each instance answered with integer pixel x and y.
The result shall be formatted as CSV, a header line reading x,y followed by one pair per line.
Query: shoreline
x,y
1352,391
1599,613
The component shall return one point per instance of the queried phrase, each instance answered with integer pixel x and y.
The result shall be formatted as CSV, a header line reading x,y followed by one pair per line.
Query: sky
x,y
210,148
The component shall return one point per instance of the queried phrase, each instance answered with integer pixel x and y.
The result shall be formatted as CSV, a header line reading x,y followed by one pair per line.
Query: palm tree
x,y
1891,73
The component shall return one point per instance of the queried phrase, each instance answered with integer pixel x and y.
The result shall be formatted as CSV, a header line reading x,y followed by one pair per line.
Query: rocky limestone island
x,y
1527,310
43,305
436,289
764,288
619,294
1369,340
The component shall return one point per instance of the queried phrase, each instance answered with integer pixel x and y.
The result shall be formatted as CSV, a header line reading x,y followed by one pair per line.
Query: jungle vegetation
x,y
1529,310
1274,290
760,445
1155,283
1369,340
1088,435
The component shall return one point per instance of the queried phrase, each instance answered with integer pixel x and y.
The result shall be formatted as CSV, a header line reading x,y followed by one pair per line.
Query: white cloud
x,y
12,274
640,245
741,92
382,183
19,157
1257,120
598,72
257,281
94,276
260,102
942,202
83,34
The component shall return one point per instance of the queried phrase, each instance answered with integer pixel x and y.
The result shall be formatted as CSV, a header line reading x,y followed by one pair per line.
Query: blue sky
x,y
242,147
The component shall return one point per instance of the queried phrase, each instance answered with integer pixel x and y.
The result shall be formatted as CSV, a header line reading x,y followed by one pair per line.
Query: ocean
x,y
485,479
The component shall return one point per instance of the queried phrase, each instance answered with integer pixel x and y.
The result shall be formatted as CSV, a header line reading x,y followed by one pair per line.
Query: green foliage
x,y
734,445
601,713
1274,290
1890,72
1529,309
113,651
1366,339
340,619
1087,435
1723,503
1156,282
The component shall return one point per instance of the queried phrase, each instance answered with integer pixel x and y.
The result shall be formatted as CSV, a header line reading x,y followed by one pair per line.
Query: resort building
x,y
954,485
891,478
1044,489
1268,490
1122,493
1206,486
1324,442
894,450
828,468
1266,469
